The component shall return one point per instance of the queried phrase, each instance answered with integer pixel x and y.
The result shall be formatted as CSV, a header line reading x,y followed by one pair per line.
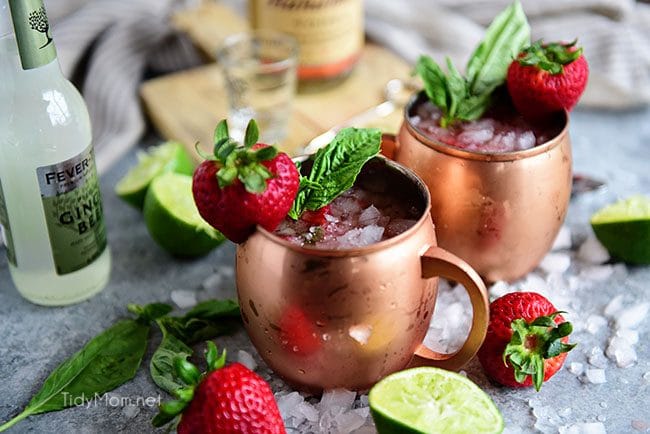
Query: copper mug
x,y
325,319
500,212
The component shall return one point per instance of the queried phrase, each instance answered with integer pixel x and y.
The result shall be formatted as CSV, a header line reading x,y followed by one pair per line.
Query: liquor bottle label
x,y
5,230
73,210
33,33
327,31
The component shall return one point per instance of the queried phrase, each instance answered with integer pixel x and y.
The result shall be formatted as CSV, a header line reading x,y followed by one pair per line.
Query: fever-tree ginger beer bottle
x,y
51,214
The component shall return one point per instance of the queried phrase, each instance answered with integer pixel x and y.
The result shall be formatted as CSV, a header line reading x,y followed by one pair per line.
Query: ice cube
x,y
500,288
584,428
646,377
336,398
212,282
597,273
349,421
307,411
632,317
183,298
476,136
614,306
556,262
595,323
246,359
563,239
369,216
592,252
576,368
287,402
595,376
526,140
631,336
362,236
597,358
360,333
130,411
621,351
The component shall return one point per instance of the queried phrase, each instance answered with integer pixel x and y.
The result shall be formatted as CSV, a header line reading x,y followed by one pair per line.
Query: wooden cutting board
x,y
186,106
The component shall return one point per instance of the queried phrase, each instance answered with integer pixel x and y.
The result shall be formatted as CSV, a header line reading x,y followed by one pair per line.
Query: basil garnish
x,y
467,98
335,168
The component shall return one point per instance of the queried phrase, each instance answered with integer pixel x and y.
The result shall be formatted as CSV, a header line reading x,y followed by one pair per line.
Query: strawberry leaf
x,y
226,176
266,153
252,134
252,180
221,132
550,57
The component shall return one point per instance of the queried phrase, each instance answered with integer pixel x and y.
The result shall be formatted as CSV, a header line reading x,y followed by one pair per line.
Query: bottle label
x,y
33,33
328,31
5,230
73,210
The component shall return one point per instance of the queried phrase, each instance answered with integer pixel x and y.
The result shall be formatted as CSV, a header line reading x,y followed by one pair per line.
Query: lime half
x,y
167,157
174,221
432,400
624,229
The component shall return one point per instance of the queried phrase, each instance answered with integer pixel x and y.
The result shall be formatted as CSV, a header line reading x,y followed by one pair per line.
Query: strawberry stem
x,y
533,342
550,57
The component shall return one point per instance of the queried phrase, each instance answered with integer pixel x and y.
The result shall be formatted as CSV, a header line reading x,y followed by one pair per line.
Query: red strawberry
x,y
226,400
526,340
316,217
547,78
244,186
297,332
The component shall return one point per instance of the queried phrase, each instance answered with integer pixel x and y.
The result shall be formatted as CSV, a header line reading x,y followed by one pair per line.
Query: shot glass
x,y
259,68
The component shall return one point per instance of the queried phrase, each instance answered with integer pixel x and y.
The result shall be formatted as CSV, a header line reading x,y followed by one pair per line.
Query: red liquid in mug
x,y
501,129
356,218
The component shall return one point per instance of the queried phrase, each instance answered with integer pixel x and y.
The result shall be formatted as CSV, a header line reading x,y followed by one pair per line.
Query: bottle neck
x,y
32,30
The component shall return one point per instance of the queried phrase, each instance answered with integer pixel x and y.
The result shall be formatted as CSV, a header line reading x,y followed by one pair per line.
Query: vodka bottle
x,y
51,214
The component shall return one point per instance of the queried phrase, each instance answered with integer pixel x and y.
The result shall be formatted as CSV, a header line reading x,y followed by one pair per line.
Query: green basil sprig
x,y
335,168
467,98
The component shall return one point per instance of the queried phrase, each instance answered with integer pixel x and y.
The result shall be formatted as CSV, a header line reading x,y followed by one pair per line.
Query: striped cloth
x,y
119,40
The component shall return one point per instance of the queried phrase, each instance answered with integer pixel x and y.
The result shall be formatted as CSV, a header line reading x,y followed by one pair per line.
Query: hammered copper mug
x,y
325,319
500,212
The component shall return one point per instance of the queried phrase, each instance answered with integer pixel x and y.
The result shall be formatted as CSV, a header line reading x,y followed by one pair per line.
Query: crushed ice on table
x,y
583,428
595,376
246,359
183,298
338,411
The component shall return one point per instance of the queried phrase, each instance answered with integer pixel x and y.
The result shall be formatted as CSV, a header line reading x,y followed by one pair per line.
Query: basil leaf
x,y
336,167
161,367
467,98
205,321
504,39
105,362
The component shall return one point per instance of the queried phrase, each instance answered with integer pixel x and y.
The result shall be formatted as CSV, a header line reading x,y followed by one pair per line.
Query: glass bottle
x,y
330,35
51,214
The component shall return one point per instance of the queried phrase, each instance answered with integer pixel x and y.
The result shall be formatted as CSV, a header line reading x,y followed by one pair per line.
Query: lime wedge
x,y
174,221
167,157
432,400
624,229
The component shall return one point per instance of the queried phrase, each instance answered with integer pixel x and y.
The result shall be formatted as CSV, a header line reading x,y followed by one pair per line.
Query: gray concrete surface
x,y
614,146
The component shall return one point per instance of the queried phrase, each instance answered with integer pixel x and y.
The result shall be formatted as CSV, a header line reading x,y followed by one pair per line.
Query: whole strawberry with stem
x,y
526,341
226,400
547,78
239,187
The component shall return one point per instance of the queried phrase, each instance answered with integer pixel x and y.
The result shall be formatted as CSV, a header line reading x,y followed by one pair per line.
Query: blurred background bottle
x,y
51,215
330,35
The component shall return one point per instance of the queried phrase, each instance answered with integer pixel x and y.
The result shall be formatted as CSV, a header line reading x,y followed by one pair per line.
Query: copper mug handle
x,y
439,262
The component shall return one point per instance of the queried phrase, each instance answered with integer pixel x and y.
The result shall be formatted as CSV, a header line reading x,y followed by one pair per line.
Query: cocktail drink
x,y
344,296
500,129
493,146
496,207
363,215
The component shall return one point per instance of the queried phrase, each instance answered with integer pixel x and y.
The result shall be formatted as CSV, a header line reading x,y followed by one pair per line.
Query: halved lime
x,y
432,400
174,221
624,229
167,157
